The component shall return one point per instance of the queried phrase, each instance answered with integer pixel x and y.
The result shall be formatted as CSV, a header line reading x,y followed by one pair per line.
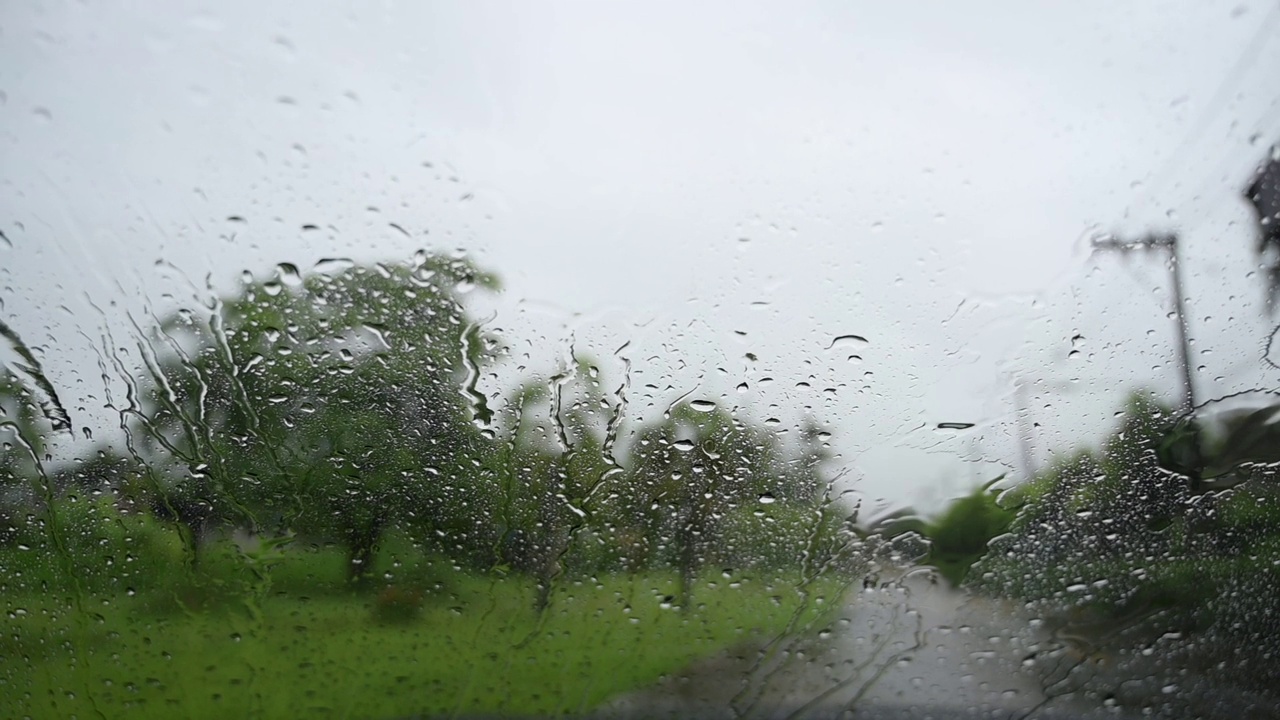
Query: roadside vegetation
x,y
432,641
314,511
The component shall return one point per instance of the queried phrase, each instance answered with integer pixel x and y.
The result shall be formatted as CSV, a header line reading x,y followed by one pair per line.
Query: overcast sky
x,y
704,180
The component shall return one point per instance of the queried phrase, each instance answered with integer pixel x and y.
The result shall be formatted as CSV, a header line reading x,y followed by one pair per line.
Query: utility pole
x,y
1025,454
1167,243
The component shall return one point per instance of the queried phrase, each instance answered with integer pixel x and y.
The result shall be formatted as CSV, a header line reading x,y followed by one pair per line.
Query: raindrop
x,y
848,341
287,50
329,266
703,405
288,274
767,499
199,96
683,445
481,414
954,425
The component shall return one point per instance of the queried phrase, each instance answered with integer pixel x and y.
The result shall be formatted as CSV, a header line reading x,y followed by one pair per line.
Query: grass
x,y
309,648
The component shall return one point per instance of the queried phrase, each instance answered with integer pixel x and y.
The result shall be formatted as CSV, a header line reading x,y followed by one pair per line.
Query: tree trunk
x,y
361,549
686,561
548,570
194,533
543,598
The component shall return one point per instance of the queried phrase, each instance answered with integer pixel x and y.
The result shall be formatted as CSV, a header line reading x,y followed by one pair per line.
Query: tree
x,y
695,469
552,466
959,536
330,405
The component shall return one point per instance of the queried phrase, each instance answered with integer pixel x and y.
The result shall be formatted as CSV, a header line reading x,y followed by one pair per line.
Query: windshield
x,y
639,360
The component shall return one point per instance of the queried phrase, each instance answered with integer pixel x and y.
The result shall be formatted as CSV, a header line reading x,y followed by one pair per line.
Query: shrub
x,y
396,604
96,547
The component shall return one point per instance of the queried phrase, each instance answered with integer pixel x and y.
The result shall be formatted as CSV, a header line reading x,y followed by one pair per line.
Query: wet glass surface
x,y
639,360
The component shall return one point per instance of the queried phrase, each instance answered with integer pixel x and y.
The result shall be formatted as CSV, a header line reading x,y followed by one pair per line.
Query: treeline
x,y
336,407
1127,528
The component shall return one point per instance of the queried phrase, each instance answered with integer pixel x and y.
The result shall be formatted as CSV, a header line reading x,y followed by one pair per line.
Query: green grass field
x,y
307,647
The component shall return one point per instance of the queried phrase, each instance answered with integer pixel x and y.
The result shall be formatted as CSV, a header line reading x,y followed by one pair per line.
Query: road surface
x,y
910,649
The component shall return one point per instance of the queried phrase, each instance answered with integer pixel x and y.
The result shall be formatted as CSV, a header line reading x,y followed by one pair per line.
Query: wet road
x,y
914,649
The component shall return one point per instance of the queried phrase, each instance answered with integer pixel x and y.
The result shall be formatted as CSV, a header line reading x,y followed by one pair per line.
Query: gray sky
x,y
704,180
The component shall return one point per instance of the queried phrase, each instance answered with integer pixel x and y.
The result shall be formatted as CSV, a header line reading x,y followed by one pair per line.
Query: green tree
x,y
959,536
696,469
330,405
552,467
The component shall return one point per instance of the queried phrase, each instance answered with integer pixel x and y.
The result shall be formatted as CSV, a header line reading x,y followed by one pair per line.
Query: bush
x,y
93,548
396,605
959,537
